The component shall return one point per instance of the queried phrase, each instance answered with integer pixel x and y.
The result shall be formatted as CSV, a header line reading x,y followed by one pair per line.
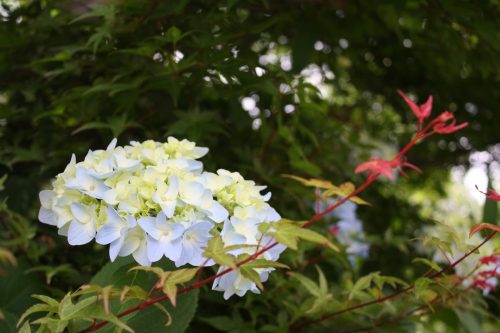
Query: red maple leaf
x,y
423,111
384,167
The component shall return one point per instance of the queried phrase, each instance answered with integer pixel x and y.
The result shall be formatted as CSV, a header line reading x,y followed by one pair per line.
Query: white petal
x,y
47,198
63,231
176,231
191,192
173,186
200,231
173,249
148,224
200,152
156,248
109,233
113,216
132,222
47,216
133,239
141,255
79,211
114,248
84,179
110,197
217,212
130,245
71,164
186,254
112,144
267,196
272,215
80,233
194,166
198,260
168,207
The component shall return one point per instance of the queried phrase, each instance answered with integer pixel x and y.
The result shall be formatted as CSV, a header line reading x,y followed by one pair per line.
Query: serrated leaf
x,y
170,289
288,233
309,284
47,300
252,275
263,263
427,262
172,279
311,182
323,285
182,275
421,284
361,284
318,238
37,308
343,190
381,280
216,251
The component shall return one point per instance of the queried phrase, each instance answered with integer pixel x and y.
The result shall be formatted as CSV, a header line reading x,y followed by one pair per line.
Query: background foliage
x,y
318,81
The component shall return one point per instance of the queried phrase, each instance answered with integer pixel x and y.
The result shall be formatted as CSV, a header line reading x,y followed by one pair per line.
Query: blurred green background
x,y
271,87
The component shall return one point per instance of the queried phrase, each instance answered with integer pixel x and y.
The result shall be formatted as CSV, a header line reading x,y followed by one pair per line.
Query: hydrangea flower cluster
x,y
153,199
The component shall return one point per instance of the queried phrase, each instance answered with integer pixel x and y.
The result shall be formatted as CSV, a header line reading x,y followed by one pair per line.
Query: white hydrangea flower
x,y
135,244
83,228
114,232
194,239
164,237
153,199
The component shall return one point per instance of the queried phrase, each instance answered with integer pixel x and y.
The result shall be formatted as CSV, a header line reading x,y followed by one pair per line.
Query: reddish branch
x,y
443,124
397,293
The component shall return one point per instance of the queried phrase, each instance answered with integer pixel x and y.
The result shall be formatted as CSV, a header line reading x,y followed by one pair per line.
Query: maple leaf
x,y
423,111
384,167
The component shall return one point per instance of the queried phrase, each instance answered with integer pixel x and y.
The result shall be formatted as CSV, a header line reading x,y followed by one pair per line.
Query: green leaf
x,y
37,308
252,274
216,251
309,284
422,289
262,263
361,284
153,318
222,323
288,232
427,262
16,289
343,190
